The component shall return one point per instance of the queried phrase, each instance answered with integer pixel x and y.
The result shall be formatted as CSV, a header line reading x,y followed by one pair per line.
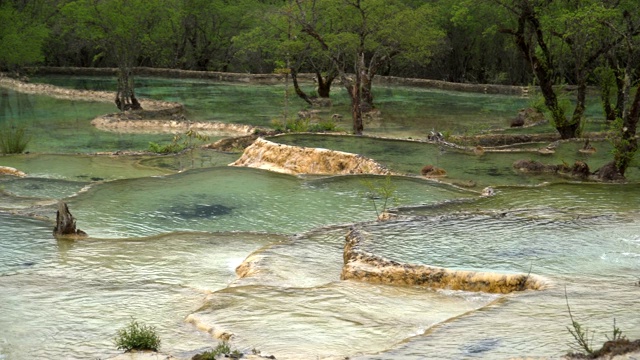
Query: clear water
x,y
405,111
64,126
477,172
167,232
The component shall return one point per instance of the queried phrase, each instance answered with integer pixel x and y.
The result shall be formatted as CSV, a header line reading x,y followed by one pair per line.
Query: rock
x,y
267,155
478,150
142,355
488,191
528,117
580,169
533,166
386,216
609,172
587,148
432,171
6,170
363,266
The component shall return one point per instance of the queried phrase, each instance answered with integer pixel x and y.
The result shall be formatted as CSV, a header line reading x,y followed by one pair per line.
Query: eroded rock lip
x,y
364,266
267,155
6,170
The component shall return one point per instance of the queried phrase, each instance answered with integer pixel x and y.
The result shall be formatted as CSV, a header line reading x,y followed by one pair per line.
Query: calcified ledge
x,y
119,124
86,95
363,266
267,155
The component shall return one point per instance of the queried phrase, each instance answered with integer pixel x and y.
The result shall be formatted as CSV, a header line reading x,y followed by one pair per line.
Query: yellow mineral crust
x,y
363,266
264,154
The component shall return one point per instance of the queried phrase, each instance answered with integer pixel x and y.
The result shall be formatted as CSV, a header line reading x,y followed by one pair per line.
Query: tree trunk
x,y
324,84
538,56
568,131
65,223
626,148
366,103
356,109
301,94
125,97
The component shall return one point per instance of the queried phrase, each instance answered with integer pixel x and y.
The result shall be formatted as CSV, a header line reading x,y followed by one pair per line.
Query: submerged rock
x,y
432,171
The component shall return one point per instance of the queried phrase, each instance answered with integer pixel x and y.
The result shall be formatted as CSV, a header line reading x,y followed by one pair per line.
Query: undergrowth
x,y
136,336
13,139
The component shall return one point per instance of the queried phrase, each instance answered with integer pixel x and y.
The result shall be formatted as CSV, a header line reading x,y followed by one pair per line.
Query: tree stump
x,y
65,223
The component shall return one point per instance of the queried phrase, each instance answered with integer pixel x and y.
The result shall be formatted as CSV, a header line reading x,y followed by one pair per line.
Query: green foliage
x,y
617,333
380,191
324,125
621,146
171,148
304,125
179,143
136,336
21,38
223,348
290,125
582,336
13,139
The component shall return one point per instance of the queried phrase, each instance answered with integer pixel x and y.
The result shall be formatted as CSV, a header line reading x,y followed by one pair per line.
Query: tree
x,y
362,36
21,39
623,65
561,40
122,29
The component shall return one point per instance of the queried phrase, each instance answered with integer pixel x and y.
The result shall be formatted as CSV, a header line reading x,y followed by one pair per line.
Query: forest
x,y
550,45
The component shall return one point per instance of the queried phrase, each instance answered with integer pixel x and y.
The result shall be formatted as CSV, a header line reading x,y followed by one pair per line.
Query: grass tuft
x,y
136,336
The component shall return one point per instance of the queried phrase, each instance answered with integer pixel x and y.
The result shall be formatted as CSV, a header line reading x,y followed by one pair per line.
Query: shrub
x,y
178,143
13,140
380,191
324,125
303,125
222,349
165,149
136,336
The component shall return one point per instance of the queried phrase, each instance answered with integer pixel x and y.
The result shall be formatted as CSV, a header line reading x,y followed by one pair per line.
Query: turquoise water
x,y
404,111
462,167
166,234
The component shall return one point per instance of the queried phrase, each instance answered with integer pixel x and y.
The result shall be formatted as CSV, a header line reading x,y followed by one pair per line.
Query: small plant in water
x,y
581,335
178,143
13,139
380,191
136,336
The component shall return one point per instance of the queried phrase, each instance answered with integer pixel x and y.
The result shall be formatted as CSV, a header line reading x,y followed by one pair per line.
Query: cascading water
x,y
166,239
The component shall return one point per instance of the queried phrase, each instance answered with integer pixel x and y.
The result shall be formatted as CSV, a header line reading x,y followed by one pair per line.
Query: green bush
x,y
303,125
324,125
136,336
222,349
171,148
179,143
13,140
